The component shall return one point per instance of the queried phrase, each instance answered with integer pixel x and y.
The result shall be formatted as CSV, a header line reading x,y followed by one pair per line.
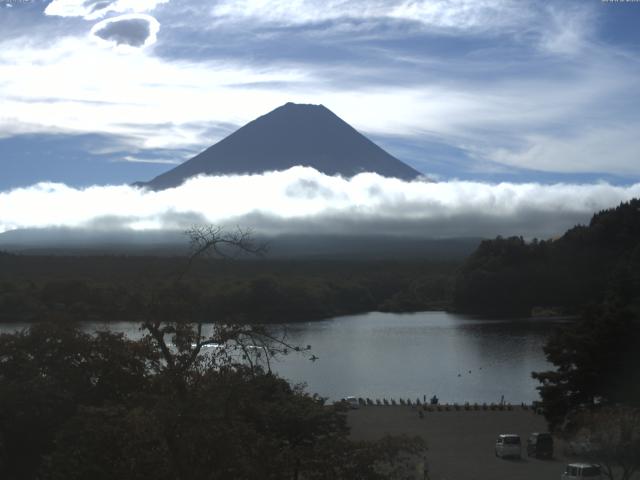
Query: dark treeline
x,y
175,404
75,406
596,360
108,288
588,264
592,395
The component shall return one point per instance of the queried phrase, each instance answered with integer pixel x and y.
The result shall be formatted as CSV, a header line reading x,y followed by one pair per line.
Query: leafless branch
x,y
252,344
214,240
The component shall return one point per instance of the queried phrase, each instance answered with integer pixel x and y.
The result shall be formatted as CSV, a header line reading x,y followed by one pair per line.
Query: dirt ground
x,y
461,443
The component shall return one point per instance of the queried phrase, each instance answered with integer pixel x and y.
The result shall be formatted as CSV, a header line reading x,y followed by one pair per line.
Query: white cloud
x,y
133,30
94,9
152,100
139,95
603,150
576,114
567,30
302,200
461,14
446,14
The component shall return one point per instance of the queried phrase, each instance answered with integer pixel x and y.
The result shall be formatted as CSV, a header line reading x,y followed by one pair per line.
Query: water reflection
x,y
378,355
455,357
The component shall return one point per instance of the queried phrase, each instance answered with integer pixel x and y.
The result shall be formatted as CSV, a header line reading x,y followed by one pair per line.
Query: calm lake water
x,y
378,355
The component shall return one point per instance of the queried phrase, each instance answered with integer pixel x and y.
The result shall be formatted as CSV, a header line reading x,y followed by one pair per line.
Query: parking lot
x,y
461,443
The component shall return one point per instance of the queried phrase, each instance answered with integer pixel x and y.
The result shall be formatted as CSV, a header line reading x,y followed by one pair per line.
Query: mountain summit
x,y
290,135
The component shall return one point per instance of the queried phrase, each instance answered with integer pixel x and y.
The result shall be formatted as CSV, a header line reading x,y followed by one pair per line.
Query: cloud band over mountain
x,y
302,200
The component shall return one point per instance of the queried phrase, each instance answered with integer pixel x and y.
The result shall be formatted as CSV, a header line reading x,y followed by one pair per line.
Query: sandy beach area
x,y
461,443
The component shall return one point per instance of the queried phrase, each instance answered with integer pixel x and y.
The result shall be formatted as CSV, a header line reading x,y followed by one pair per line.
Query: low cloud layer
x,y
132,30
302,200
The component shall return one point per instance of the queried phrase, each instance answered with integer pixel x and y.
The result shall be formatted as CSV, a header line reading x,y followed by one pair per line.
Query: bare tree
x,y
611,437
181,341
207,240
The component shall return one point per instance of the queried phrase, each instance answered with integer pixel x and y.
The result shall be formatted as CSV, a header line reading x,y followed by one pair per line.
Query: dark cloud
x,y
529,222
131,31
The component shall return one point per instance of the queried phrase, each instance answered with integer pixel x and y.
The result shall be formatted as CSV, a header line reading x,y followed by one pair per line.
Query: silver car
x,y
508,445
578,471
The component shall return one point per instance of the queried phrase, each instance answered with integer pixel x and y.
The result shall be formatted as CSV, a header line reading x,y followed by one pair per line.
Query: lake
x,y
389,355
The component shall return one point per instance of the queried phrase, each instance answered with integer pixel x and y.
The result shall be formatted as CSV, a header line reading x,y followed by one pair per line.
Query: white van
x,y
578,471
508,445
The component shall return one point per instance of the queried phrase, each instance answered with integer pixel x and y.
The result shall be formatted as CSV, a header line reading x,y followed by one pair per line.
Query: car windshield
x,y
512,440
591,471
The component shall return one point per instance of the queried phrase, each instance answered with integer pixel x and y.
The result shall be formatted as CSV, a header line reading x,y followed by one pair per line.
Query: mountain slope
x,y
588,264
293,134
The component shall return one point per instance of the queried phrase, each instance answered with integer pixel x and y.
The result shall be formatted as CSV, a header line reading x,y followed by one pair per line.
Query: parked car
x,y
578,471
508,445
352,402
540,445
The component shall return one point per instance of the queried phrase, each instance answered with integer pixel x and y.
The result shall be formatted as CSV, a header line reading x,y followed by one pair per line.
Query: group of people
x,y
433,400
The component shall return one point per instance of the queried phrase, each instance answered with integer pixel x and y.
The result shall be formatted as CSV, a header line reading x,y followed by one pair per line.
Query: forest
x,y
109,287
75,405
80,406
103,405
503,276
588,264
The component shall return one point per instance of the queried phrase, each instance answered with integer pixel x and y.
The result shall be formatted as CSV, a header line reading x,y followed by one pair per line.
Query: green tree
x,y
596,362
48,372
593,263
183,402
611,436
67,415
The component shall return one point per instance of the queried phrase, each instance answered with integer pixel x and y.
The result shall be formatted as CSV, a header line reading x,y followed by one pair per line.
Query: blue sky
x,y
114,91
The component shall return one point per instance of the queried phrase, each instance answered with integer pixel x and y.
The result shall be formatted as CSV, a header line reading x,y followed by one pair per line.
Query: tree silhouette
x,y
596,362
182,402
611,437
